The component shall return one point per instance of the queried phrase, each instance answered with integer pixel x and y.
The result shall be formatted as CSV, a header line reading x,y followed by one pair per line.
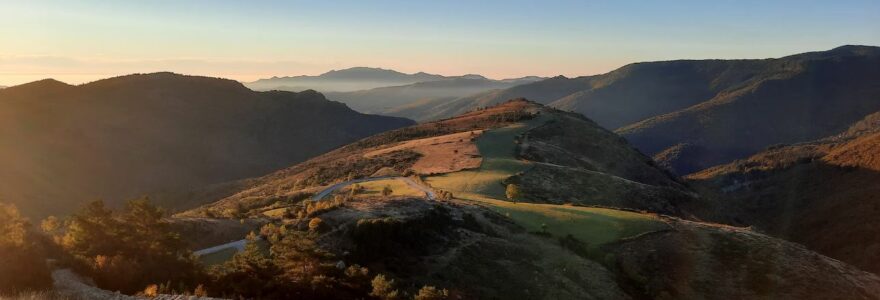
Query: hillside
x,y
693,114
552,240
822,194
520,142
391,100
813,96
132,135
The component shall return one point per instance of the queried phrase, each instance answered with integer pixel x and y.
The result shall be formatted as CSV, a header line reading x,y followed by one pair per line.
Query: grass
x,y
497,148
594,226
275,213
398,188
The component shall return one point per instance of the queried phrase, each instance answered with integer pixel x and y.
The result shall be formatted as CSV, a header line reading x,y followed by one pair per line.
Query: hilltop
x,y
583,204
128,136
555,157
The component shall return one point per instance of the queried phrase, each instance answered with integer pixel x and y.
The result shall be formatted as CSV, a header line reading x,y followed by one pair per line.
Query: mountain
x,y
127,136
811,96
346,80
822,194
391,100
693,114
533,203
562,158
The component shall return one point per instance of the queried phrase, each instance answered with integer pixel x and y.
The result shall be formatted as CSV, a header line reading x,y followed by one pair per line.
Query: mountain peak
x,y
44,86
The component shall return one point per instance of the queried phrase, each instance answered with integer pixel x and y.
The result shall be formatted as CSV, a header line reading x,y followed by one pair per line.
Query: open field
x,y
440,154
592,225
497,148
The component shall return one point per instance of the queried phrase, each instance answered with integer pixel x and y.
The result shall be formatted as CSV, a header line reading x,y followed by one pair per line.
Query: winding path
x,y
429,193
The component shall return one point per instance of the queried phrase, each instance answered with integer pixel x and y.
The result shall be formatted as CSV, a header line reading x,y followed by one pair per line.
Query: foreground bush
x,y
22,261
128,251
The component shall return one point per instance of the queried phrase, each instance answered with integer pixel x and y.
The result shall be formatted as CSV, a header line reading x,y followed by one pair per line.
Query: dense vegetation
x,y
22,258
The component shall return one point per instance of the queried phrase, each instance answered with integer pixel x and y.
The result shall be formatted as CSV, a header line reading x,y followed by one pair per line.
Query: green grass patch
x,y
498,150
591,225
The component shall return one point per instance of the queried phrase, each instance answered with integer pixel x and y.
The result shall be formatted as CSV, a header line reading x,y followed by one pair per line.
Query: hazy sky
x,y
80,41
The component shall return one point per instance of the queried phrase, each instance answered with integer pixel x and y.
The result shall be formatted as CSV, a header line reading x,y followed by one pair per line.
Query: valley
x,y
682,179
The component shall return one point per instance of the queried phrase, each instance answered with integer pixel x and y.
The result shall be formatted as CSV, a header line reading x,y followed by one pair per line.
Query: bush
x,y
108,246
384,288
431,293
22,260
315,224
512,192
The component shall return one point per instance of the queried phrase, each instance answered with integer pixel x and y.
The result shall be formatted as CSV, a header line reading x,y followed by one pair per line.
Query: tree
x,y
384,288
50,224
431,293
22,261
299,256
248,273
386,191
512,192
109,246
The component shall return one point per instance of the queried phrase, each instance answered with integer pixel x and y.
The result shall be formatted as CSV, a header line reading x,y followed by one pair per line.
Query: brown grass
x,y
441,154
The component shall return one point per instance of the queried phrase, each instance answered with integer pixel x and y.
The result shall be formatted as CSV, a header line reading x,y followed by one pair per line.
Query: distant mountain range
x,y
713,110
128,136
355,79
390,100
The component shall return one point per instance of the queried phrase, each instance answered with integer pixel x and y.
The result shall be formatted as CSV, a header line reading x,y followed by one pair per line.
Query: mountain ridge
x,y
157,132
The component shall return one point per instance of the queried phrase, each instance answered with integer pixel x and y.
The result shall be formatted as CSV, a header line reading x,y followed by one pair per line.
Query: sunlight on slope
x,y
398,188
595,226
499,162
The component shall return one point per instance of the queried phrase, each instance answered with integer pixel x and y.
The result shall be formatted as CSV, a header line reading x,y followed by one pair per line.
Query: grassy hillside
x,y
694,114
822,194
600,246
124,137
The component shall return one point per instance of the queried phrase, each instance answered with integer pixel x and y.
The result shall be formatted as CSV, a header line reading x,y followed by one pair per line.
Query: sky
x,y
82,41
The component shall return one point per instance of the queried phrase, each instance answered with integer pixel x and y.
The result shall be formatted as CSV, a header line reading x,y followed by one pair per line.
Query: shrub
x,y
315,224
109,246
512,192
384,288
386,191
22,261
431,293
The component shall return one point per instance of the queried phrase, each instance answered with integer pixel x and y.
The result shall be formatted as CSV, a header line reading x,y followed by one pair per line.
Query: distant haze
x,y
82,41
